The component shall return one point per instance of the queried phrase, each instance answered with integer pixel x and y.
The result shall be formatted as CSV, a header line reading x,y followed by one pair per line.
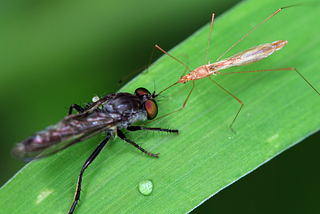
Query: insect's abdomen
x,y
70,130
51,137
256,53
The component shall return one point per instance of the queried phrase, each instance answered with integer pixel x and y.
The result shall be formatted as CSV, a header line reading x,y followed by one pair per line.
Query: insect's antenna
x,y
166,89
209,38
273,14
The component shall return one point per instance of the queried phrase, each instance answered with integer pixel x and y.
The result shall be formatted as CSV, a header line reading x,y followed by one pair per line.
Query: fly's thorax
x,y
128,106
123,103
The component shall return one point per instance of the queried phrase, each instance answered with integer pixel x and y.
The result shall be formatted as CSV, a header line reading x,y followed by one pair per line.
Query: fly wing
x,y
72,129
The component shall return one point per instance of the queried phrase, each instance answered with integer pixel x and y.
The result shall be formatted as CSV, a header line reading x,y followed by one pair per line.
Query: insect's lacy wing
x,y
72,129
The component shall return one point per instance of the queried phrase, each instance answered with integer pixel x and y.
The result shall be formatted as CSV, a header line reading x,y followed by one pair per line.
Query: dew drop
x,y
146,187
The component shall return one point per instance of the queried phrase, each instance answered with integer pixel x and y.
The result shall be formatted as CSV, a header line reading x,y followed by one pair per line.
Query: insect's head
x,y
147,100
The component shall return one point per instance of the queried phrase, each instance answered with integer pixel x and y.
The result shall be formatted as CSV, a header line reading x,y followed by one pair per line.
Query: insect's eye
x,y
150,105
141,91
152,109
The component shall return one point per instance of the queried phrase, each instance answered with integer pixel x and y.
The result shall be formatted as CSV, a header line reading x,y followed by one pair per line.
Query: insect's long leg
x,y
239,72
234,98
76,107
184,104
157,46
273,14
151,58
147,67
278,69
212,19
134,72
86,164
137,128
165,52
123,137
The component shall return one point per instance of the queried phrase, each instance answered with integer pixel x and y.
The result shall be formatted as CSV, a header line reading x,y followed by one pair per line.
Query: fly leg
x,y
136,128
123,137
86,164
76,107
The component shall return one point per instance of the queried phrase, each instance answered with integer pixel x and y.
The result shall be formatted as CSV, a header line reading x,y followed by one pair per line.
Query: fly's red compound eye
x,y
150,105
141,91
152,109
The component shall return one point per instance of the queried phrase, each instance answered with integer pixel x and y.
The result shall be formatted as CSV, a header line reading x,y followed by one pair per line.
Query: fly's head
x,y
148,102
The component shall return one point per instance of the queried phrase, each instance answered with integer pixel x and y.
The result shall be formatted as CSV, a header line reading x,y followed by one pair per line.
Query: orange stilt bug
x,y
243,58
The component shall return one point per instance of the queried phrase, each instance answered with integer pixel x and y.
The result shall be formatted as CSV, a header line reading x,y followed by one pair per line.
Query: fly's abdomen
x,y
47,141
70,130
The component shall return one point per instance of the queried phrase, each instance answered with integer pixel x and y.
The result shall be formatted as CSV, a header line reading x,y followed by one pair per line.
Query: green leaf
x,y
280,109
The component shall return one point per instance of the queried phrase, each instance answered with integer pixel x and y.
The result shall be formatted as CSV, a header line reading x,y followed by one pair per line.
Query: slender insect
x,y
109,114
243,58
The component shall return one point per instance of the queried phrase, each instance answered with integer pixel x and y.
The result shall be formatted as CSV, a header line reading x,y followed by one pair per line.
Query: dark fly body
x,y
109,114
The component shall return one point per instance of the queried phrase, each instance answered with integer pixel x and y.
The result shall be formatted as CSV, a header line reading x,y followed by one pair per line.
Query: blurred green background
x,y
56,53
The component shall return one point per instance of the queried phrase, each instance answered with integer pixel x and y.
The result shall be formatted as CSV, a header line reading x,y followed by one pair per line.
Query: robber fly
x,y
109,114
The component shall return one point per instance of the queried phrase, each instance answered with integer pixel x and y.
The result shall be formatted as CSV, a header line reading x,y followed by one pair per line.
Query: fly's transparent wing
x,y
72,129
